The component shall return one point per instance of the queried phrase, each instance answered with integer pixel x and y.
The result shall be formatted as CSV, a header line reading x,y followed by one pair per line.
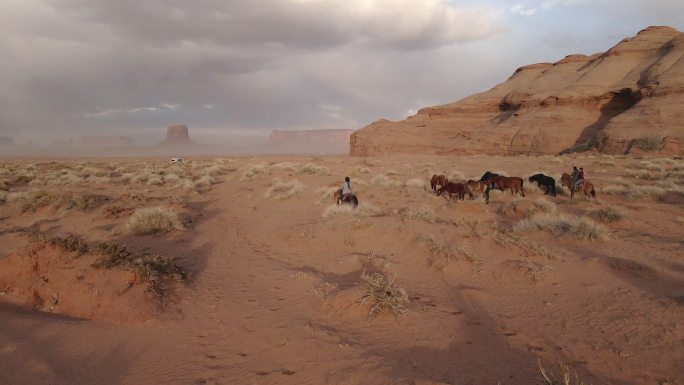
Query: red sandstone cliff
x,y
616,102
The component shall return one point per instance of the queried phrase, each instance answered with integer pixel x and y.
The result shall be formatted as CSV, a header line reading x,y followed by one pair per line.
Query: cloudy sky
x,y
233,68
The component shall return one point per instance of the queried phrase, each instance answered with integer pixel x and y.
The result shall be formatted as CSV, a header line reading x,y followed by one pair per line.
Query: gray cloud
x,y
74,67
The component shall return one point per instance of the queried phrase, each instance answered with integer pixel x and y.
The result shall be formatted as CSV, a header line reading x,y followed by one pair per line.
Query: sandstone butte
x,y
626,100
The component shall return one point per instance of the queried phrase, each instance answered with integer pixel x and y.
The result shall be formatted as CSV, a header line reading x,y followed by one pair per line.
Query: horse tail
x,y
593,192
356,201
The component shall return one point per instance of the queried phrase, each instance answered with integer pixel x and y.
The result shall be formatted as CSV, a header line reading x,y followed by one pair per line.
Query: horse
x,y
438,180
454,188
487,175
586,187
543,180
502,183
348,199
476,186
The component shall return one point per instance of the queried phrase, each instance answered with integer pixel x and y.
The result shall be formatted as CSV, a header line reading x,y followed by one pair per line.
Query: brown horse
x,y
476,187
502,183
438,180
454,188
348,199
586,187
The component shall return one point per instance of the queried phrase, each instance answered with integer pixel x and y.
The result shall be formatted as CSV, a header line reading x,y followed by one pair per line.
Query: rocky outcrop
x,y
177,136
310,141
620,101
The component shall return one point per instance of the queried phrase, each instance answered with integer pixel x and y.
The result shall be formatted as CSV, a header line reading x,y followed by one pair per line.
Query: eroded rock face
x,y
611,101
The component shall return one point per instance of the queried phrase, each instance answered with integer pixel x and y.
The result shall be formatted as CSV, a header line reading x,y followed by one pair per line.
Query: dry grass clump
x,y
609,214
526,206
314,169
567,376
441,256
283,190
424,214
205,181
34,200
158,271
455,176
415,182
384,180
363,170
634,192
371,162
218,169
326,193
579,227
650,142
383,295
153,220
255,170
87,202
286,166
605,163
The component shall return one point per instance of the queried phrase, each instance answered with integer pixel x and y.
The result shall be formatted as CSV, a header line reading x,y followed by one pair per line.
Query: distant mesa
x,y
177,136
6,141
628,99
331,141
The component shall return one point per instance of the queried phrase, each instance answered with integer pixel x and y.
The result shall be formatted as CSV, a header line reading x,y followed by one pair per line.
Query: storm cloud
x,y
97,67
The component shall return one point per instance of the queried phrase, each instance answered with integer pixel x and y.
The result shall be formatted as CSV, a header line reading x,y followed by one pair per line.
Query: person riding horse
x,y
577,178
346,189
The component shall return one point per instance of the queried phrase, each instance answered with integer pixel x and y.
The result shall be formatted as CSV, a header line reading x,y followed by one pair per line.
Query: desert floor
x,y
484,294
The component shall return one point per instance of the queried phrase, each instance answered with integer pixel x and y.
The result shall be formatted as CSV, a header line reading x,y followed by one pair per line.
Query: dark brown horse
x,y
502,183
454,188
350,199
438,180
586,187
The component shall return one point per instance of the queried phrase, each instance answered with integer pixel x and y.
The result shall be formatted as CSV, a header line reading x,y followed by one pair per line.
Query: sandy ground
x,y
275,278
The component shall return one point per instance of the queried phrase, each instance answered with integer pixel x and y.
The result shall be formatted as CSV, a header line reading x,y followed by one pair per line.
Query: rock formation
x,y
177,135
628,99
310,141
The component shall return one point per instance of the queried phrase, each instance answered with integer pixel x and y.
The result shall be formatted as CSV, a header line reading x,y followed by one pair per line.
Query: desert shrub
x,y
456,176
34,200
314,169
567,376
283,190
171,178
363,170
579,227
424,214
650,142
153,220
69,243
383,295
526,206
185,183
644,192
205,181
158,271
644,174
371,162
155,181
609,214
287,166
255,170
86,202
415,182
441,255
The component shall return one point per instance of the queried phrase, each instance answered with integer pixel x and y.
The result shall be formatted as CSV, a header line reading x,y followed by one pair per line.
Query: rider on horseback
x,y
577,177
346,189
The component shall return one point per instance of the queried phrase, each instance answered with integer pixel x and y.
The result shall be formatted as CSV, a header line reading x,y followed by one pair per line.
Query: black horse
x,y
544,181
487,175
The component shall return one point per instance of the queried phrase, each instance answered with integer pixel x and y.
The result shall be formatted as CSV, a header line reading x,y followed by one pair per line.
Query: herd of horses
x,y
489,181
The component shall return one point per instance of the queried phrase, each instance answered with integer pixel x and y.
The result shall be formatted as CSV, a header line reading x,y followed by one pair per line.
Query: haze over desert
x,y
191,193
